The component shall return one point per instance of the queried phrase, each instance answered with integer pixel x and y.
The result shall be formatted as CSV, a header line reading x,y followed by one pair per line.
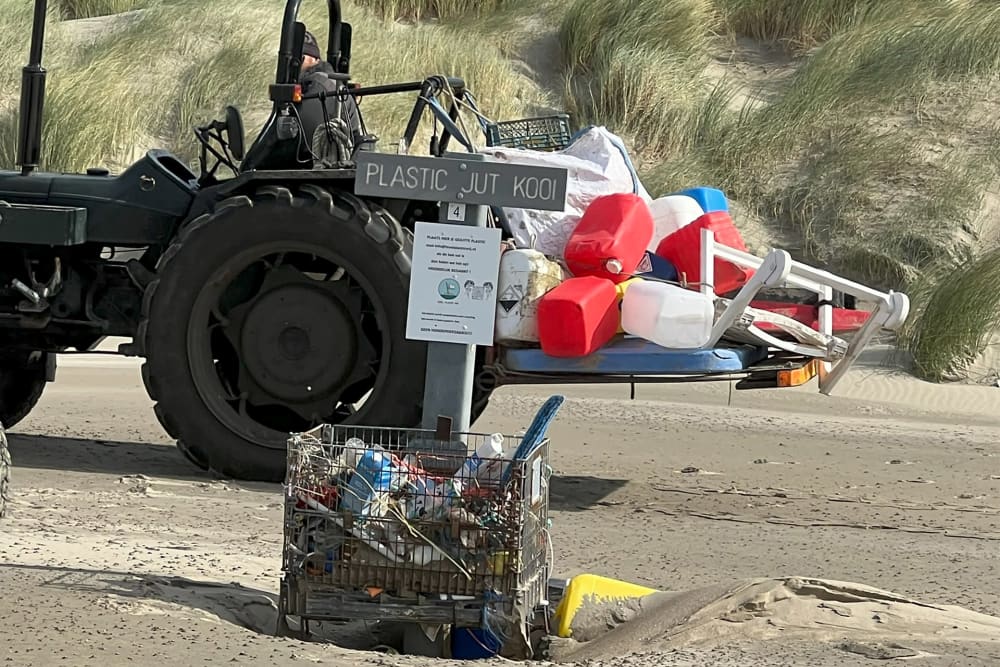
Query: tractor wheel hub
x,y
298,342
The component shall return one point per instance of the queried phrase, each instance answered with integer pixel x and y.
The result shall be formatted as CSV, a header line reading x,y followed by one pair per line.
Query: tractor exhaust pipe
x,y
29,144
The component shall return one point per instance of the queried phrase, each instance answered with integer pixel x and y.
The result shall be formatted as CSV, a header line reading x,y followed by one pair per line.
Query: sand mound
x,y
869,619
232,603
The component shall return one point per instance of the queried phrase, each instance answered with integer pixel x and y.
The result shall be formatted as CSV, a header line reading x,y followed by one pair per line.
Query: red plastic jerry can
x,y
683,249
578,317
611,237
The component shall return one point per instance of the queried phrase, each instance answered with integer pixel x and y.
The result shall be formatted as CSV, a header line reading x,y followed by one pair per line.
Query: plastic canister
x,y
610,238
668,315
710,199
578,317
670,213
620,289
654,266
488,450
526,275
683,250
474,644
373,475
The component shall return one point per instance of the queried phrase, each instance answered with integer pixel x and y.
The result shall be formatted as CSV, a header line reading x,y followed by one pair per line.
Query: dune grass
x,y
849,161
960,312
803,24
182,61
83,9
431,9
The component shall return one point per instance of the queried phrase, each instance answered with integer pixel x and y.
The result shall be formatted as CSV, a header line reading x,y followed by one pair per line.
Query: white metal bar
x,y
826,318
709,249
802,275
890,312
772,271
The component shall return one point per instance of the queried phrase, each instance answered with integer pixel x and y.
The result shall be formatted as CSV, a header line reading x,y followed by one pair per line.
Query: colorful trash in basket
x,y
375,513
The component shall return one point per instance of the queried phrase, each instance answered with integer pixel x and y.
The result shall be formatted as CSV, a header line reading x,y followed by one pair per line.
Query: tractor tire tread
x,y
341,207
5,465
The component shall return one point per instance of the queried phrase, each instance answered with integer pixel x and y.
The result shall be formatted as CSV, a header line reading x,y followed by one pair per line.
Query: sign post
x,y
452,300
451,366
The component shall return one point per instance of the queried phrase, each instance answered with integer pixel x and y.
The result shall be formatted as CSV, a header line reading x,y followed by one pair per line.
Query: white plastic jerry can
x,y
668,315
670,213
525,276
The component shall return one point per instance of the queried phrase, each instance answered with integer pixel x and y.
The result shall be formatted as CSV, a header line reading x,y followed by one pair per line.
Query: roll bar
x,y
338,52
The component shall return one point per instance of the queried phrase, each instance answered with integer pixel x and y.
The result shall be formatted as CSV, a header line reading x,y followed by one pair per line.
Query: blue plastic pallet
x,y
636,356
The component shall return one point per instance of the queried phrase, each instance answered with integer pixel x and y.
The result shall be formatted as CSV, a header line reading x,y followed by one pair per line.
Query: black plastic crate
x,y
544,133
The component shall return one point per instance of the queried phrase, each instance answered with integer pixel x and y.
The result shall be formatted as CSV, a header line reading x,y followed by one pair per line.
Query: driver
x,y
315,75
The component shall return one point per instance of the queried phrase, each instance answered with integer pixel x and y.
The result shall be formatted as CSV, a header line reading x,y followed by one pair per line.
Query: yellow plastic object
x,y
586,588
620,288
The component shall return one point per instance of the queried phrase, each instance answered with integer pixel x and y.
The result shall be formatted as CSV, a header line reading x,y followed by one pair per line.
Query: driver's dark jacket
x,y
311,111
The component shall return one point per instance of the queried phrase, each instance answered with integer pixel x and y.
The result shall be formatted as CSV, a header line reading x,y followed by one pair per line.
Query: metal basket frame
x,y
359,582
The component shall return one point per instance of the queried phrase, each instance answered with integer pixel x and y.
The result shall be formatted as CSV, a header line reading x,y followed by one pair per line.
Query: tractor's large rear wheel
x,y
276,313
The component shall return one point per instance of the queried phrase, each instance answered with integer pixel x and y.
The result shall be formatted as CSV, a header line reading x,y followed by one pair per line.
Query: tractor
x,y
263,304
271,301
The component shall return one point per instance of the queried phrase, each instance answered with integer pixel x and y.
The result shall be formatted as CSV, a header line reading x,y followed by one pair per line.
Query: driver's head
x,y
310,52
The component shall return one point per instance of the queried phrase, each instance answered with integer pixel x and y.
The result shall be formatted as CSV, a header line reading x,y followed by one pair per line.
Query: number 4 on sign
x,y
456,212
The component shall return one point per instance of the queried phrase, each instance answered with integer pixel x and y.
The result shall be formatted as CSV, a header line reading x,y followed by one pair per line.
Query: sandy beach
x,y
784,527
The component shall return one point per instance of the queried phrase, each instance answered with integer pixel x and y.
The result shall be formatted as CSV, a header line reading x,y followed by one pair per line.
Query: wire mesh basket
x,y
400,512
544,133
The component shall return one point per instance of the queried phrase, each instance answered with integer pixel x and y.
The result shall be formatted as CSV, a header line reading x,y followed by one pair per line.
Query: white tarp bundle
x,y
597,163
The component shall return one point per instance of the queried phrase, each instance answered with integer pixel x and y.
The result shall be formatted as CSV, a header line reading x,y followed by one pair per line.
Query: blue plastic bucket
x,y
474,644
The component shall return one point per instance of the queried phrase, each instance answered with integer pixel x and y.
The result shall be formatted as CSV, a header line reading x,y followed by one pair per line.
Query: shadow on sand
x,y
249,608
567,494
101,456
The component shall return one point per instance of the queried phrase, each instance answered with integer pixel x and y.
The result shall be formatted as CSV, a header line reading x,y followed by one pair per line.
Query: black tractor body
x,y
275,299
263,303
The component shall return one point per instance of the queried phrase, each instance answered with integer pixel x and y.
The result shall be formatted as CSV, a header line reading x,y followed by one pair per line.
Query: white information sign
x,y
453,283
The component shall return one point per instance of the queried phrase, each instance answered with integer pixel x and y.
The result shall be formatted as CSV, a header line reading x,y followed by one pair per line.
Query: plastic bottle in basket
x,y
374,474
354,449
491,448
490,472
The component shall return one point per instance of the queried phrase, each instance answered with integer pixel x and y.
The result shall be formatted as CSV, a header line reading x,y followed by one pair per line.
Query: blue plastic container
x,y
654,266
709,198
474,644
374,474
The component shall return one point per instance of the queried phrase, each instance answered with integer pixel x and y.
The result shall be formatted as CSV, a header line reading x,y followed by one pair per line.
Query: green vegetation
x,y
870,156
862,134
83,9
426,9
961,311
151,80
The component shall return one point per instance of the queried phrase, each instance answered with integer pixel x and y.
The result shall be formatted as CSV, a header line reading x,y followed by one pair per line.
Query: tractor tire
x,y
21,387
5,464
275,313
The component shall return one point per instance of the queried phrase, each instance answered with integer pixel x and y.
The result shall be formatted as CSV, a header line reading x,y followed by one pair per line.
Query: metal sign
x,y
450,179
